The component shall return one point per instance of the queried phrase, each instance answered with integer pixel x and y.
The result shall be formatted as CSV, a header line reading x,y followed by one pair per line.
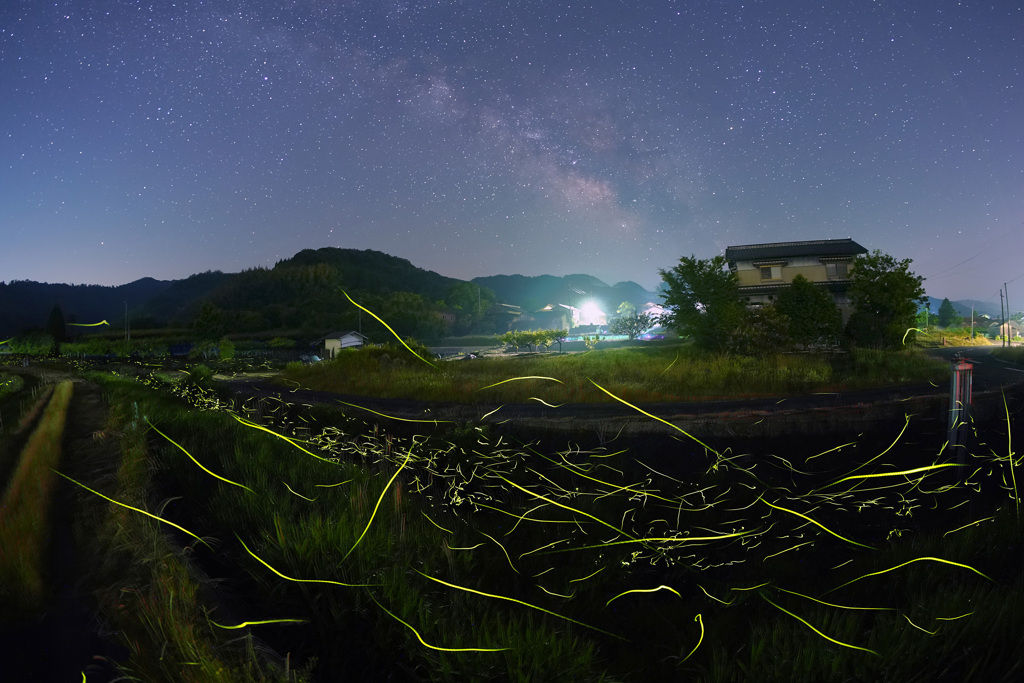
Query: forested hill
x,y
25,304
307,292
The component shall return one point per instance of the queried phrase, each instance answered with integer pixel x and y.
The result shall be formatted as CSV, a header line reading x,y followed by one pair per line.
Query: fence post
x,y
959,405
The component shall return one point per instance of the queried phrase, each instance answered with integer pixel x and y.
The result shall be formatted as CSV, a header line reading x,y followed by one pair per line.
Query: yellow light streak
x,y
436,647
655,417
518,379
644,590
259,623
199,464
819,524
518,602
808,625
377,506
904,564
389,330
148,514
699,640
289,578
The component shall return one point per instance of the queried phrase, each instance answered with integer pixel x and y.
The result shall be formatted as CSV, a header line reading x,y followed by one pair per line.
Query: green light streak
x,y
587,576
542,401
904,564
808,625
377,506
392,417
436,647
435,523
289,578
518,602
931,633
199,464
655,417
247,423
699,640
670,539
644,590
311,500
102,322
831,604
259,623
926,468
389,329
564,507
124,505
714,598
1009,455
502,550
961,528
519,379
818,524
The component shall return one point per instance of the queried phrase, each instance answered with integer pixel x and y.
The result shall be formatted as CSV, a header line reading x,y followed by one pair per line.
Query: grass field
x,y
649,373
461,554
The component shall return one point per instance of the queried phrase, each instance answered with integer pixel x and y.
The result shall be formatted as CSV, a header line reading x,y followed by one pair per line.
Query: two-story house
x,y
764,270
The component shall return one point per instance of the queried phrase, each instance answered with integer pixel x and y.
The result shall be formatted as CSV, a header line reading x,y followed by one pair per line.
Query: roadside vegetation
x,y
1012,354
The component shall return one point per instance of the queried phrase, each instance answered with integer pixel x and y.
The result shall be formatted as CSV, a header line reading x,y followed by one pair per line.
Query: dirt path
x,y
63,642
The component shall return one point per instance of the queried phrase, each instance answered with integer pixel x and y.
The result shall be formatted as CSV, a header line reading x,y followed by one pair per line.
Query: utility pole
x,y
1008,317
972,319
1002,320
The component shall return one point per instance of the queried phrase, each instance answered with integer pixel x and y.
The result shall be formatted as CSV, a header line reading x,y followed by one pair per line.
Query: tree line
x,y
704,303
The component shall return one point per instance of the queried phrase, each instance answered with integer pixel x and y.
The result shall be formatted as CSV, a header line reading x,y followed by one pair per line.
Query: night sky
x,y
476,138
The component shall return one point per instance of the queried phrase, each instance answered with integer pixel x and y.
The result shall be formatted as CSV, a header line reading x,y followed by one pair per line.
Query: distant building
x,y
335,341
1010,330
764,270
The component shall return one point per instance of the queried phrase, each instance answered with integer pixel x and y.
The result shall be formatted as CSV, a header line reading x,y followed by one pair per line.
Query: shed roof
x,y
840,247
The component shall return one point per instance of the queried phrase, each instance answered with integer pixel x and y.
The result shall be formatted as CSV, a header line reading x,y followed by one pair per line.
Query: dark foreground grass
x,y
642,373
460,554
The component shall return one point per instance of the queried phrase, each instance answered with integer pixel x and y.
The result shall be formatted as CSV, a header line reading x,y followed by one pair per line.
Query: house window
x,y
835,270
771,272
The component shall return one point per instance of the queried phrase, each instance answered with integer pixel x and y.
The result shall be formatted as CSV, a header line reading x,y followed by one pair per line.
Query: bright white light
x,y
590,314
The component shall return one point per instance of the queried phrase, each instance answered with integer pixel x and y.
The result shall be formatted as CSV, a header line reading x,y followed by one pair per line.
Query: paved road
x,y
989,373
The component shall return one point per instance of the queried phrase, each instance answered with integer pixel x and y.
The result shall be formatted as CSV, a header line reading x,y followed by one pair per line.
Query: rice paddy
x,y
362,547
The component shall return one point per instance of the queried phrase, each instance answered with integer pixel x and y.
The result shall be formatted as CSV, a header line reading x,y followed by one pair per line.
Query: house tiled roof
x,y
746,252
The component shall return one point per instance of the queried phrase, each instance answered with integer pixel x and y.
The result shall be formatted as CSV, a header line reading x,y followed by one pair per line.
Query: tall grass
x,y
645,374
149,593
461,554
25,510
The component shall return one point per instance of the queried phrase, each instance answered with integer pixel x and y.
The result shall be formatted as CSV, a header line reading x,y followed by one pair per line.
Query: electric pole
x,y
1002,320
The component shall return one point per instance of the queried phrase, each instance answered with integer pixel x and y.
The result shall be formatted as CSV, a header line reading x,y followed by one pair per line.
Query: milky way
x,y
476,138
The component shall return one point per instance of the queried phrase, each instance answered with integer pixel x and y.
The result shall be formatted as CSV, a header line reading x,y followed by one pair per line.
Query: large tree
x,y
702,298
56,328
947,314
886,296
812,316
632,325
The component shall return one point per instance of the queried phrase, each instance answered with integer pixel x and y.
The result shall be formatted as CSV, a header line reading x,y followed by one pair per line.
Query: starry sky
x,y
480,137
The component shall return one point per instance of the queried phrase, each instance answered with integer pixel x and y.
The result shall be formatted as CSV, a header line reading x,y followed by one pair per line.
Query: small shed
x,y
335,341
